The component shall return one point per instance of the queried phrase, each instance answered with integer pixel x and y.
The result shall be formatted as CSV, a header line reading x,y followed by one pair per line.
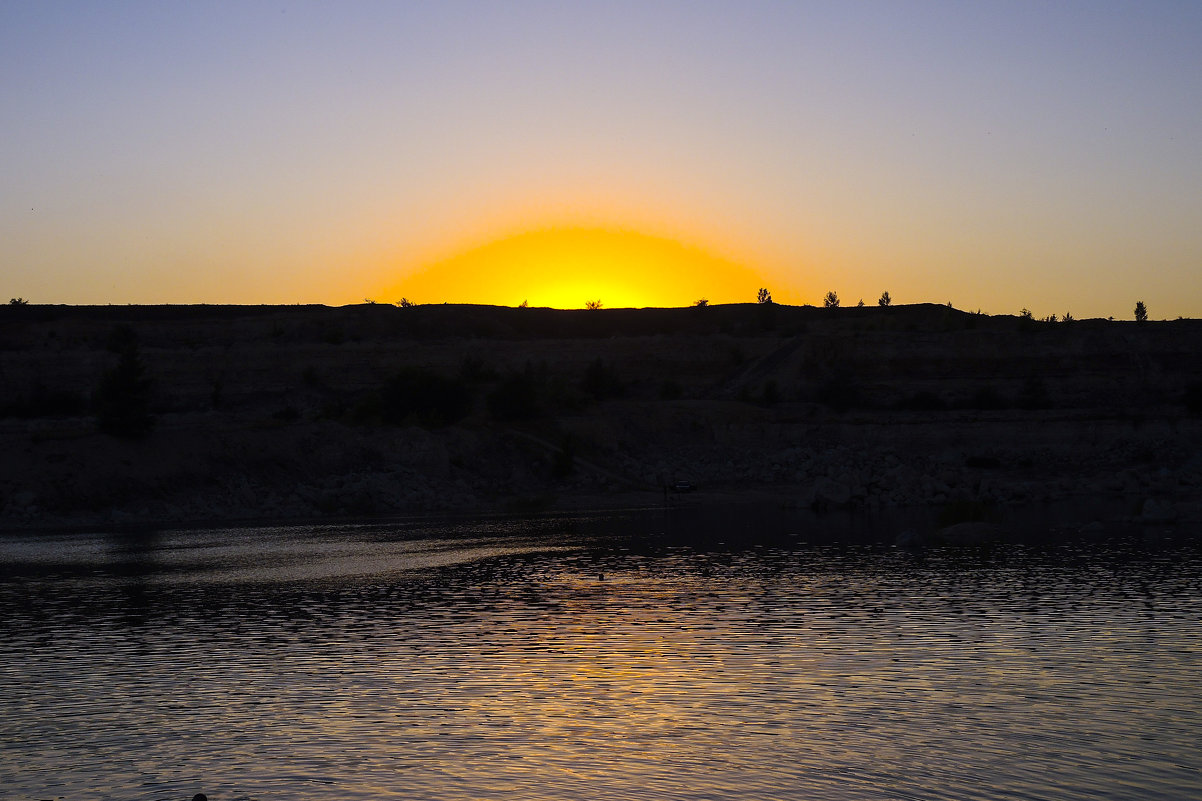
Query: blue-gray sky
x,y
997,155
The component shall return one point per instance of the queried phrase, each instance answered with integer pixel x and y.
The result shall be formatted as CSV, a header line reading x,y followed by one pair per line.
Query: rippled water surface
x,y
593,659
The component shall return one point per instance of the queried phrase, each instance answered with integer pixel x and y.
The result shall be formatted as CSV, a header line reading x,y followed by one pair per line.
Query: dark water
x,y
593,659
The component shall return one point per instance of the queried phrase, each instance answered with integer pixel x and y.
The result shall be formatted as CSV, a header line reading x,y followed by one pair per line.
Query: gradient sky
x,y
996,155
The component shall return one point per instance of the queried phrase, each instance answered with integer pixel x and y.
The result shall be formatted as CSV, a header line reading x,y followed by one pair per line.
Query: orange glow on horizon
x,y
566,267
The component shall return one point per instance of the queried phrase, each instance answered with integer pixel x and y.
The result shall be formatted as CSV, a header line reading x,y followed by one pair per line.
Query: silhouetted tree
x,y
860,305
18,302
885,300
405,303
763,296
524,305
122,399
1026,314
703,302
1141,312
831,300
592,305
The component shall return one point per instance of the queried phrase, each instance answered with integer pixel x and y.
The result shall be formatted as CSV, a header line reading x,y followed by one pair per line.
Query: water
x,y
592,659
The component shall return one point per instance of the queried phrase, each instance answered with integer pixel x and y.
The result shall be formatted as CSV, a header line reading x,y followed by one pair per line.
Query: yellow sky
x,y
565,267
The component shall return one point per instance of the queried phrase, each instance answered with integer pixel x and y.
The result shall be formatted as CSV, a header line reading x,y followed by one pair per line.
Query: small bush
x,y
1034,394
986,398
763,295
121,339
831,301
924,401
564,463
1193,398
473,369
770,395
288,414
838,391
42,402
592,305
601,381
516,397
429,397
122,399
1141,312
885,300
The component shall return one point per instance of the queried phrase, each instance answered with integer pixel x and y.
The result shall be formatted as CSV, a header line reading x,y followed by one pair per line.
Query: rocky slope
x,y
174,414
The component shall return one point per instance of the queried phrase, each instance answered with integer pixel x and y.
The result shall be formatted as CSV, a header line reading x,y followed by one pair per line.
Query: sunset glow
x,y
992,155
566,267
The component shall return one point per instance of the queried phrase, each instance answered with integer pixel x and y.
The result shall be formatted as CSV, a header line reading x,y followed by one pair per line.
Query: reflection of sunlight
x,y
567,267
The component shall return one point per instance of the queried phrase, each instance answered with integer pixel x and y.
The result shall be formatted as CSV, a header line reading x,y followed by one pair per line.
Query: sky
x,y
997,155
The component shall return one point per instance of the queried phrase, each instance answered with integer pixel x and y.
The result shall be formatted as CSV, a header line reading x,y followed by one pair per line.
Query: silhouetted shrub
x,y
702,303
831,301
423,395
924,401
121,339
986,398
288,414
965,512
601,381
670,390
763,296
18,302
838,391
1193,398
42,402
1141,312
564,463
592,305
1034,394
473,369
770,395
885,300
516,397
311,378
122,399
983,462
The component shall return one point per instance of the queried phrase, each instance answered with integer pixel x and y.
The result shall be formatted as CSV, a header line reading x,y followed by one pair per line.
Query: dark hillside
x,y
265,411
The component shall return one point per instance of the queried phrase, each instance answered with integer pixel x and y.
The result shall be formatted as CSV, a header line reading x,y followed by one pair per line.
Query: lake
x,y
607,656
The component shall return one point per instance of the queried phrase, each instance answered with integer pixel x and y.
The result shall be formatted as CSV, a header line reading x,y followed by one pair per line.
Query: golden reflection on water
x,y
550,668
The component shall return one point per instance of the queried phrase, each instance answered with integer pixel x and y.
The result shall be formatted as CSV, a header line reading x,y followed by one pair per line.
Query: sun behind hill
x,y
568,267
